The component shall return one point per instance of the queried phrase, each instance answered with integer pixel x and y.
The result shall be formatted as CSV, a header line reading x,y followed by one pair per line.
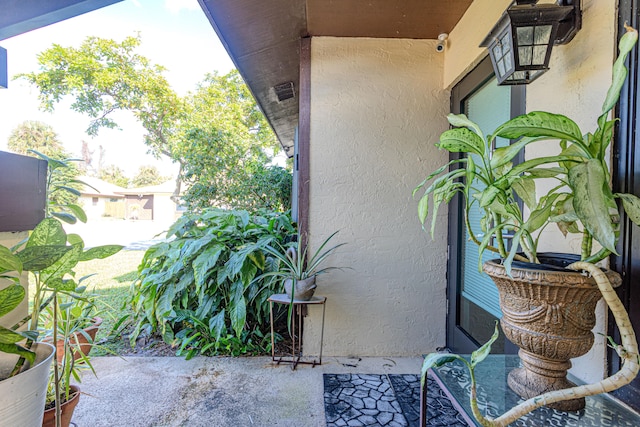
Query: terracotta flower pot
x,y
66,410
548,314
304,288
79,342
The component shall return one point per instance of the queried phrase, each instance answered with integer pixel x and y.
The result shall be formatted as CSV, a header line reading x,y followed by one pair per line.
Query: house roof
x,y
100,188
164,188
263,39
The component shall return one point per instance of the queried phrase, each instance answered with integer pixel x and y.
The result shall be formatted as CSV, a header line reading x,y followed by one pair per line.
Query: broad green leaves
x,y
540,124
48,232
436,360
99,252
10,298
200,289
19,350
8,261
461,140
591,201
49,255
580,196
625,45
631,206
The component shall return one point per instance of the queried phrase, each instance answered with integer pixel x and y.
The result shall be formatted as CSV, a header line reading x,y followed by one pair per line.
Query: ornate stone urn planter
x,y
548,312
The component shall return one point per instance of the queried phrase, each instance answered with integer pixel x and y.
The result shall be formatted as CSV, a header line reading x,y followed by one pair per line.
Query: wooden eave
x,y
263,38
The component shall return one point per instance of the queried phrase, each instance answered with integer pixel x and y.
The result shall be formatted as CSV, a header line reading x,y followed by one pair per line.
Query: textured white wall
x,y
377,108
463,51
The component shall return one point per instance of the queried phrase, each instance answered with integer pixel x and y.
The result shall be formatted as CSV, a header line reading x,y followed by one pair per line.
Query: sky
x,y
175,34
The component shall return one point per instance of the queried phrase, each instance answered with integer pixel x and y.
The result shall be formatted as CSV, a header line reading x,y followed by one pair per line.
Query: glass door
x,y
473,297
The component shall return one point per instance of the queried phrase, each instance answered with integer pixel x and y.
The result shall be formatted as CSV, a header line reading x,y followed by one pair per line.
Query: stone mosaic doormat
x,y
384,400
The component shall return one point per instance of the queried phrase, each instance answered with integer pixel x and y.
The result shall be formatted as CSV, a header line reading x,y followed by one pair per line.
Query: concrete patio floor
x,y
215,391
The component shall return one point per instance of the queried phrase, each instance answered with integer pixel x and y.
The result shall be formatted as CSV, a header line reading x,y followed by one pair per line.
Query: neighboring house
x,y
101,199
151,203
361,85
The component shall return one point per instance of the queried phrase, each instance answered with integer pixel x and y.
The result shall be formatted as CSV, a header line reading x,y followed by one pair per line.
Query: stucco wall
x,y
463,50
377,108
8,240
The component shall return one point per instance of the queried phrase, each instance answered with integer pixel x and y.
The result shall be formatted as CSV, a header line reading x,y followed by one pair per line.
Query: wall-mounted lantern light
x,y
520,43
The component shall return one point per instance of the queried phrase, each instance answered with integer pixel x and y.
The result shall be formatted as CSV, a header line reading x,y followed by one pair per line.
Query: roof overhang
x,y
21,16
263,39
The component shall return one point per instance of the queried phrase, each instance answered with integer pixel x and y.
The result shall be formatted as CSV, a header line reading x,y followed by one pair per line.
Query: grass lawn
x,y
112,283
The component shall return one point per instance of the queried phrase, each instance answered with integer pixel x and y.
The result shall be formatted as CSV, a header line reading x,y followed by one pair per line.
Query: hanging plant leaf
x,y
8,261
631,205
590,202
461,140
10,298
540,124
48,232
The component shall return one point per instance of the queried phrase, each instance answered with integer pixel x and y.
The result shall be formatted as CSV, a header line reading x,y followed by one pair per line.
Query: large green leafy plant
x,y
49,255
198,288
581,201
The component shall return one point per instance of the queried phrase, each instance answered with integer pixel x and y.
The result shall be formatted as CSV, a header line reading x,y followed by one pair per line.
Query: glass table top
x,y
495,397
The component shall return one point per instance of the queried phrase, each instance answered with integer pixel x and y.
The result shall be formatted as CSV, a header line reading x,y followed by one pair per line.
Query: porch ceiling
x,y
21,16
263,38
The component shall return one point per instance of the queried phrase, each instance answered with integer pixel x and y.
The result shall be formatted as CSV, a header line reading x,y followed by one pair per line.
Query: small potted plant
x,y
581,202
72,324
78,318
296,272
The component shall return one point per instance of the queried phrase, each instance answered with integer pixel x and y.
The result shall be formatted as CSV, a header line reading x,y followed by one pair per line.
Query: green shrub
x,y
197,290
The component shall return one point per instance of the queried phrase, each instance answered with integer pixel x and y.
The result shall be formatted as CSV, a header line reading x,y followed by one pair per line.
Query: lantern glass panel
x,y
501,70
539,54
525,36
508,65
525,55
519,75
543,34
505,41
497,51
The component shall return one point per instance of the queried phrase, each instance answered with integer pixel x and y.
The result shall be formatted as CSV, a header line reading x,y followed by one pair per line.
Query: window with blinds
x,y
488,107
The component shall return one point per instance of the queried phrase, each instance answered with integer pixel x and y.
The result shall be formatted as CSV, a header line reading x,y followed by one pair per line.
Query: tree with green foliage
x,y
217,134
38,139
225,146
36,135
148,175
114,175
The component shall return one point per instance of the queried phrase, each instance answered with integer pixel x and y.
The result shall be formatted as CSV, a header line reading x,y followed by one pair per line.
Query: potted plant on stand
x,y
296,272
580,202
